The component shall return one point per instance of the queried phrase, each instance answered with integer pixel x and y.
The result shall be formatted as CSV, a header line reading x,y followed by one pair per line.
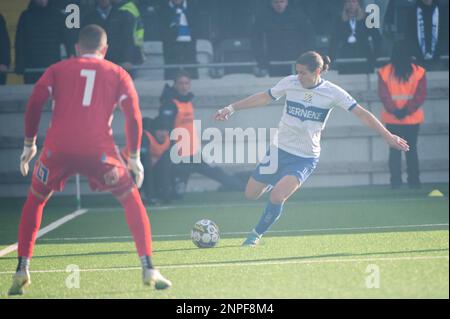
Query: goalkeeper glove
x,y
135,165
29,151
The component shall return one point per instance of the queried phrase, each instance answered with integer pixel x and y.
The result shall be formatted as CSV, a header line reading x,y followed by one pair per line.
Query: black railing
x,y
336,62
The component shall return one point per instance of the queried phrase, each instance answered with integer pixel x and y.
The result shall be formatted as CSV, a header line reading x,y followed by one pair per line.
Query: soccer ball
x,y
205,234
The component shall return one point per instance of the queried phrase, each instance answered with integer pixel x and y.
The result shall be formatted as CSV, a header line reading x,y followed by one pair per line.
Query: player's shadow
x,y
116,252
194,248
313,257
99,253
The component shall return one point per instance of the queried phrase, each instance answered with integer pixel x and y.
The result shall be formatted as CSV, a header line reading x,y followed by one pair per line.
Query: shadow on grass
x,y
91,254
312,257
114,252
287,233
240,261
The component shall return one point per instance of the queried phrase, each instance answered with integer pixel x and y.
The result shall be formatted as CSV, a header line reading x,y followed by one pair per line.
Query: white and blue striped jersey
x,y
305,113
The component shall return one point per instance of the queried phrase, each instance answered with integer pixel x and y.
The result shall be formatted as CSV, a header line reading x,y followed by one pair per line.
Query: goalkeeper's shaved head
x,y
92,38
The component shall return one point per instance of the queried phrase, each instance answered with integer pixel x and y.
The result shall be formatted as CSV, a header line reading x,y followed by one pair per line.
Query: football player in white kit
x,y
309,101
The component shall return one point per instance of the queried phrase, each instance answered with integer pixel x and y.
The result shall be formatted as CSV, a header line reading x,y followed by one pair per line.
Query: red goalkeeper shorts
x,y
105,170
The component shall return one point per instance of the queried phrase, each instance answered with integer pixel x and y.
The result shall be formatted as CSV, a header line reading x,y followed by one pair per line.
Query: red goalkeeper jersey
x,y
85,91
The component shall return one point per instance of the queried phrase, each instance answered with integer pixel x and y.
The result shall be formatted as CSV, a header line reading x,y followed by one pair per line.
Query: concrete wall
x,y
351,153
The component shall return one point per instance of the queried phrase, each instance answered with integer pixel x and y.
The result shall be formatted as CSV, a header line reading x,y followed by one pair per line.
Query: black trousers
x,y
229,182
410,134
158,178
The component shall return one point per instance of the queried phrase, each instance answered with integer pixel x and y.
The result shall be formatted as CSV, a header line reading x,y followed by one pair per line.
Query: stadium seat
x,y
322,43
205,54
153,51
234,50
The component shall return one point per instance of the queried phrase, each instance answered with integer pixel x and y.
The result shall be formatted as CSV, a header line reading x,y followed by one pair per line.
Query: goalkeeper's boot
x,y
21,280
152,277
252,240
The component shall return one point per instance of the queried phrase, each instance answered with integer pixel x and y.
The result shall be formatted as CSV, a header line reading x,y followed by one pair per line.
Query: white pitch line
x,y
252,263
270,231
258,204
47,229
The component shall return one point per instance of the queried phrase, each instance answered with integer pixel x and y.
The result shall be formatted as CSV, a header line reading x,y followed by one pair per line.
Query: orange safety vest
x,y
401,93
156,149
185,119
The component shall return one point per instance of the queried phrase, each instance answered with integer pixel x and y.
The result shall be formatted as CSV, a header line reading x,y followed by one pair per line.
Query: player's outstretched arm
x,y
371,121
255,100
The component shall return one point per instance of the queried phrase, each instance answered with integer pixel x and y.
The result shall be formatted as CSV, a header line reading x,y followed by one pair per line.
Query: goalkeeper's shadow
x,y
195,248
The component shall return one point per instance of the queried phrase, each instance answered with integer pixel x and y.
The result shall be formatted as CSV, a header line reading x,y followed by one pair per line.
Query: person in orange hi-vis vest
x,y
157,185
177,109
402,87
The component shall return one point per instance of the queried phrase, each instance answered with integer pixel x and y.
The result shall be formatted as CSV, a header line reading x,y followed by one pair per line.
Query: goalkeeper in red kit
x,y
85,91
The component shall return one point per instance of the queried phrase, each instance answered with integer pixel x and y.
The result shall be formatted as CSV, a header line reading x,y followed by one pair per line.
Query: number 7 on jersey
x,y
89,87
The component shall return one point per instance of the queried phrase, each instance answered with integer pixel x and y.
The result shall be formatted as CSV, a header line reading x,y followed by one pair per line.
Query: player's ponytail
x,y
314,60
326,63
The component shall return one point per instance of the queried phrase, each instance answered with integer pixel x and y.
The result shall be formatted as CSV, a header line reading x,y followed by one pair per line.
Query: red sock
x,y
29,224
138,222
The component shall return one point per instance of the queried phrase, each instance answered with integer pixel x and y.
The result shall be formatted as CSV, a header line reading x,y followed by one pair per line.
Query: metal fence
x,y
336,63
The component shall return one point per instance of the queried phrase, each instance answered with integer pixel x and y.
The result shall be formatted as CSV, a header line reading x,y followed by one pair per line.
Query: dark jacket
x,y
119,29
40,32
94,17
281,36
5,48
168,110
412,36
362,48
126,49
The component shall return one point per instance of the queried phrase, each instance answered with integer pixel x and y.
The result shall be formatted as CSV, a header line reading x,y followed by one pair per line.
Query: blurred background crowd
x,y
172,39
261,31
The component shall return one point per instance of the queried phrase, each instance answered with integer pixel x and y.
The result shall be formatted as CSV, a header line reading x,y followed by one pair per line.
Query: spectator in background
x,y
40,33
156,159
322,14
111,20
177,110
402,87
149,16
280,34
352,39
158,178
100,16
70,34
232,19
426,31
177,25
5,54
128,49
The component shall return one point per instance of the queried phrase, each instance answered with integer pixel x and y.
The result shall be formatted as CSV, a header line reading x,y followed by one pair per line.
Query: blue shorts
x,y
288,164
